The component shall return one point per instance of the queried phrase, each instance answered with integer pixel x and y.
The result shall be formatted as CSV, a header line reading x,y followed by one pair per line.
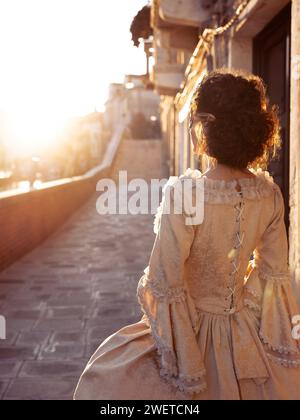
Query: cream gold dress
x,y
216,324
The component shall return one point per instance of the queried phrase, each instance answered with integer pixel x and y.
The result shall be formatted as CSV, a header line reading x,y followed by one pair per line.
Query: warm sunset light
x,y
32,131
57,60
149,203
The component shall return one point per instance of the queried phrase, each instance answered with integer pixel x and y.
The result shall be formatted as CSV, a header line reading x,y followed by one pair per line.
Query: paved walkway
x,y
64,298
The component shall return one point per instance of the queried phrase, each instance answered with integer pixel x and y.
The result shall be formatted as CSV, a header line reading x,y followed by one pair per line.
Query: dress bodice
x,y
212,272
225,241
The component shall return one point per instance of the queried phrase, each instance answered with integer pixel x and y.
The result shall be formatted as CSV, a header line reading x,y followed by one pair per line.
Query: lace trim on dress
x,y
157,218
167,359
284,362
164,294
224,192
167,294
252,305
253,293
220,191
277,278
279,349
256,301
184,384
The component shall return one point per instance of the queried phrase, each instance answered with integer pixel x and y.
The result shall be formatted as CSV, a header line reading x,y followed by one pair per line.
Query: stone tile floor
x,y
64,298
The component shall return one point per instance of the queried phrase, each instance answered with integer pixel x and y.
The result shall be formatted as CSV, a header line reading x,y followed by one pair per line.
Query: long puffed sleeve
x,y
165,300
269,290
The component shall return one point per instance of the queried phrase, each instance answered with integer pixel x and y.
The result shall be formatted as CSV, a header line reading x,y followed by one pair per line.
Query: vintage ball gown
x,y
218,306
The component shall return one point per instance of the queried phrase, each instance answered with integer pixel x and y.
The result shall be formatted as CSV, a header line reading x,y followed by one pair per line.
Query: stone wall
x,y
27,218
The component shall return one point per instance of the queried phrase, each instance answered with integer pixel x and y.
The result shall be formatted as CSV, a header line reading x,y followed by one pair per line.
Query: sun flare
x,y
33,132
58,58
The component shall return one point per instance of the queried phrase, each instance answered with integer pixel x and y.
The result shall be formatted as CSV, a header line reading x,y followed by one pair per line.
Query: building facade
x,y
137,104
260,36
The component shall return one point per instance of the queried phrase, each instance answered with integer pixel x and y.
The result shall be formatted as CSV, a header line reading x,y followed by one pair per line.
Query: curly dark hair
x,y
246,130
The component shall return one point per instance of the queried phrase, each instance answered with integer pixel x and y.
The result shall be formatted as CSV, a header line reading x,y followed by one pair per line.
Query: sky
x,y
59,56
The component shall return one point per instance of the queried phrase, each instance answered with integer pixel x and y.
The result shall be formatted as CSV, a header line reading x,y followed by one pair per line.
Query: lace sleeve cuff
x,y
270,298
174,322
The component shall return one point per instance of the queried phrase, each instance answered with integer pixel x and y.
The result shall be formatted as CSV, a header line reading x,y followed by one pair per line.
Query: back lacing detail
x,y
234,255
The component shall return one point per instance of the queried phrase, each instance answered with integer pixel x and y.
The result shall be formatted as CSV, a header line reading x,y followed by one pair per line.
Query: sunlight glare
x,y
58,58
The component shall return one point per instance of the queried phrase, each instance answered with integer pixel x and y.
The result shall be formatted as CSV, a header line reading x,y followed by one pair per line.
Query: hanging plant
x,y
140,26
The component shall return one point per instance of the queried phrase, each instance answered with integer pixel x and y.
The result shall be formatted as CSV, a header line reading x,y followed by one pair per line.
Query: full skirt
x,y
126,367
